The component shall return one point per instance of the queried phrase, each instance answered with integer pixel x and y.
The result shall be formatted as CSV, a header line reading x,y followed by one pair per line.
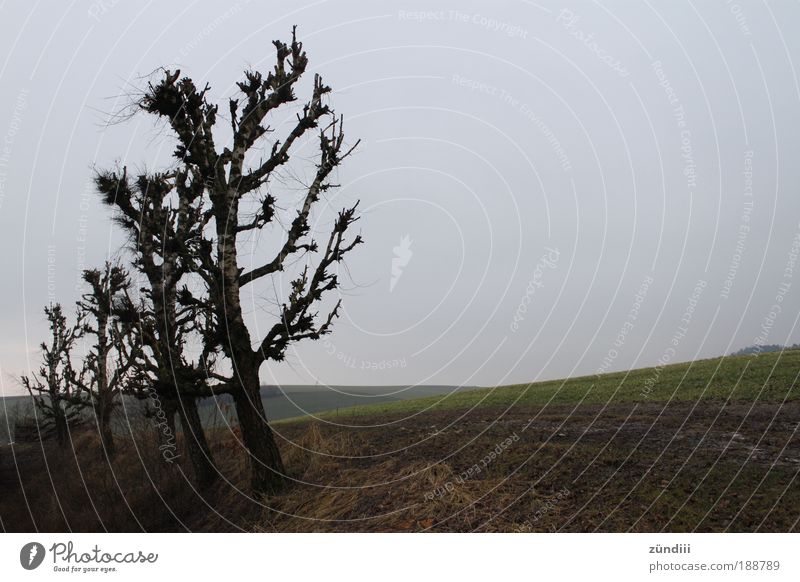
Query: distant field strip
x,y
768,377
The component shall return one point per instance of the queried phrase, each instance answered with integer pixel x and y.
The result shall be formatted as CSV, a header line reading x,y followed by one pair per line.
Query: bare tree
x,y
219,186
163,241
53,389
107,365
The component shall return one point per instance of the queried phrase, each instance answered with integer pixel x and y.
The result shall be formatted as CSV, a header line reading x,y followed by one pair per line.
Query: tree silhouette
x,y
207,196
163,217
107,366
54,389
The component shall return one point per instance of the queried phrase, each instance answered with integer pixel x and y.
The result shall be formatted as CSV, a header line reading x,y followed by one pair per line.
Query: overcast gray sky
x,y
548,189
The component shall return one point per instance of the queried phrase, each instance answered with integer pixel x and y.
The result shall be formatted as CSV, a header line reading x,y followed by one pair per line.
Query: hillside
x,y
769,377
704,446
282,402
709,446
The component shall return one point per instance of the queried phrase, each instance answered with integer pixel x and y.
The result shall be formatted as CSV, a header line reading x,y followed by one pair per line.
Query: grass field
x,y
769,377
290,402
710,445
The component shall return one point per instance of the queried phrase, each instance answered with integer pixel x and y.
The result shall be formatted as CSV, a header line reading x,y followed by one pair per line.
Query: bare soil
x,y
626,467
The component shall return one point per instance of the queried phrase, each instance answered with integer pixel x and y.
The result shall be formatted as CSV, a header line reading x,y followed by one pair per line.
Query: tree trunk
x,y
164,419
104,427
61,426
170,407
266,467
196,443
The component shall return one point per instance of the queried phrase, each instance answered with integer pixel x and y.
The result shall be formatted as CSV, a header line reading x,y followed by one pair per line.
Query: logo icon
x,y
31,555
402,255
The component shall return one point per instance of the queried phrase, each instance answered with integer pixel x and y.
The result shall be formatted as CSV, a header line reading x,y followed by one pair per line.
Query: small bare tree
x,y
107,365
54,389
214,189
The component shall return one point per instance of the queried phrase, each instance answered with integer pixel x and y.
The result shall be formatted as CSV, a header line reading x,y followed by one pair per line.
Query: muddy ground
x,y
634,467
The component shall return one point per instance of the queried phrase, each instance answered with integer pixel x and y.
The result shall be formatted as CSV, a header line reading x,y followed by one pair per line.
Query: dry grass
x,y
79,488
336,492
409,476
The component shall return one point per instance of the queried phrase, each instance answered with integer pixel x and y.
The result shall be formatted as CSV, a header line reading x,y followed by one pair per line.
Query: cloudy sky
x,y
548,189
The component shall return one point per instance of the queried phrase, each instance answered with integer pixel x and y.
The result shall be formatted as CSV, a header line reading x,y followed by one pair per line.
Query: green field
x,y
769,377
293,401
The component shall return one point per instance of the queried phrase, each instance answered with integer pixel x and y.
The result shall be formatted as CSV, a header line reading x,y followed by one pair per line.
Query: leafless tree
x,y
107,365
214,189
164,221
54,389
